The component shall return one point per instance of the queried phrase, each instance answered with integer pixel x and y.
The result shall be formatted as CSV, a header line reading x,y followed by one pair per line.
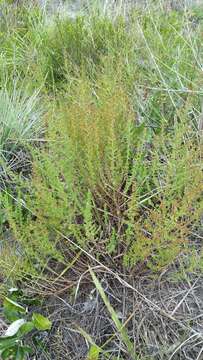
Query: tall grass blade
x,y
119,326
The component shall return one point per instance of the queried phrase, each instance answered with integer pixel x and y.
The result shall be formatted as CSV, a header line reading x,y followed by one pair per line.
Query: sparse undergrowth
x,y
111,122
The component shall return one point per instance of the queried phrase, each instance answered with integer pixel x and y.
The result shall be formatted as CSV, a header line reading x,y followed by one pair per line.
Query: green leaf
x,y
95,350
6,343
21,353
13,306
93,353
26,328
9,353
41,322
11,315
12,310
16,353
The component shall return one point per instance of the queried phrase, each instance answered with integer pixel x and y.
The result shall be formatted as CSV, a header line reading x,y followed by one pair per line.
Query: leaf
x,y
95,350
41,322
12,315
26,328
6,343
21,353
118,324
9,353
93,353
13,306
14,327
16,353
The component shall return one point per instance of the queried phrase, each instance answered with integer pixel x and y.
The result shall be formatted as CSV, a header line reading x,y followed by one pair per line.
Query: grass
x,y
20,118
110,120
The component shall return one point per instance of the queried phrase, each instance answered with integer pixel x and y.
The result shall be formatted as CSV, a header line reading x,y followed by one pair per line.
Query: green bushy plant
x,y
110,183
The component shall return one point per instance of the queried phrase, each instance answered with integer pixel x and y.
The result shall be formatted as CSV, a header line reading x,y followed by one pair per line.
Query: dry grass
x,y
163,314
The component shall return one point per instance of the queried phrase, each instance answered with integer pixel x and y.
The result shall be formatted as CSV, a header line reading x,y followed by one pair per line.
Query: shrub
x,y
109,183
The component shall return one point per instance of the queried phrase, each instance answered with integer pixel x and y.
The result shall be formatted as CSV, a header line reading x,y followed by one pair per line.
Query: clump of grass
x,y
79,45
20,121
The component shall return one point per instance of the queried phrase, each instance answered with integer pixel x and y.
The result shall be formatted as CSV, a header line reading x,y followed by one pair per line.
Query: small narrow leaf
x,y
95,350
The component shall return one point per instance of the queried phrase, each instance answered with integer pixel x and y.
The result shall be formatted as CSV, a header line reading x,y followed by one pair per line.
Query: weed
x,y
110,183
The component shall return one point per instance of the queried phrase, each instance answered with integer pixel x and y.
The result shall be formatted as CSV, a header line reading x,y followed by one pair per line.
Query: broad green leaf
x,y
14,327
121,329
41,322
26,328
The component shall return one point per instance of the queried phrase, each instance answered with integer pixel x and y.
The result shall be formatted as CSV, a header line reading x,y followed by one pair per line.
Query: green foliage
x,y
110,183
79,45
119,170
22,322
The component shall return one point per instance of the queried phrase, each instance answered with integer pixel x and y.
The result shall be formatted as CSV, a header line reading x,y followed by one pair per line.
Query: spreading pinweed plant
x,y
120,168
105,181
